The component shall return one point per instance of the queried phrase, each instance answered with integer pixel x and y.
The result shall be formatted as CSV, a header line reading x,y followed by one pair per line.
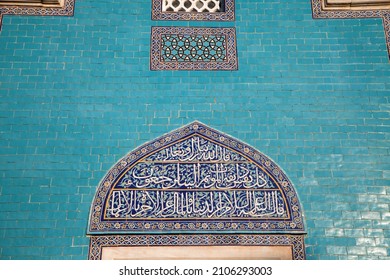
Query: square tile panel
x,y
191,48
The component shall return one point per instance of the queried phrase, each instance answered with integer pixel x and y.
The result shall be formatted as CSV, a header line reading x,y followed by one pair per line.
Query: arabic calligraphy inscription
x,y
195,179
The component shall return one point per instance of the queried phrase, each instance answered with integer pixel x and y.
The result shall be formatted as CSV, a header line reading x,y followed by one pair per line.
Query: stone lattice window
x,y
189,6
219,10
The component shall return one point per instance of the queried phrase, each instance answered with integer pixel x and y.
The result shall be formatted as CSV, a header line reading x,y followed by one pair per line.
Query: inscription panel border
x,y
97,243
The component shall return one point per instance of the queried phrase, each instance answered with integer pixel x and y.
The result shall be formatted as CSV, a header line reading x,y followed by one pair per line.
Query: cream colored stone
x,y
35,3
198,253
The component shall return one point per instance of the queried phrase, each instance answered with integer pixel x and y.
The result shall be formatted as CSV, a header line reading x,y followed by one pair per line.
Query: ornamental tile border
x,y
102,221
229,48
227,15
97,243
66,10
320,13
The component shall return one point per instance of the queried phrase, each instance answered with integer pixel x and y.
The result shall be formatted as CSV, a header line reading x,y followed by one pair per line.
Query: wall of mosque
x,y
77,94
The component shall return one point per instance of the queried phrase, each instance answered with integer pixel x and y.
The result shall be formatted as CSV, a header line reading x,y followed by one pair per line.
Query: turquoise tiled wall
x,y
77,94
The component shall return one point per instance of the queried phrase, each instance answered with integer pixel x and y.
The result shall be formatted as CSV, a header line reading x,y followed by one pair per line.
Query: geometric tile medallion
x,y
195,180
329,9
206,10
32,8
295,242
191,48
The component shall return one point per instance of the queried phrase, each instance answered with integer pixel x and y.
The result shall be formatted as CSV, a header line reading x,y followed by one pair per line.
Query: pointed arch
x,y
196,180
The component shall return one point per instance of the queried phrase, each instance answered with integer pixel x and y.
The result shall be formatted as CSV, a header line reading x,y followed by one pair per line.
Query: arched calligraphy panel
x,y
195,179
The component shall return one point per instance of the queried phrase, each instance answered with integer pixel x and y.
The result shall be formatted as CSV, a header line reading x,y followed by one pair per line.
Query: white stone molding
x,y
189,6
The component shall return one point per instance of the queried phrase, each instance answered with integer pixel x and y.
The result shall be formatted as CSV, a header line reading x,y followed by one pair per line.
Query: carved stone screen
x,y
208,10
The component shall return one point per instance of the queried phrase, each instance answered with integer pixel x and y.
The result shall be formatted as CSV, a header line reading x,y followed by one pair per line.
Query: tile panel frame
x,y
231,62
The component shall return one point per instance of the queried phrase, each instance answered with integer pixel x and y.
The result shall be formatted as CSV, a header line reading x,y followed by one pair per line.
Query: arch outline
x,y
289,219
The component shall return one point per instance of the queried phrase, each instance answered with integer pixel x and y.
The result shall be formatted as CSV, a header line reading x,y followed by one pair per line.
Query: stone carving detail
x,y
356,4
190,48
208,10
189,6
195,179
